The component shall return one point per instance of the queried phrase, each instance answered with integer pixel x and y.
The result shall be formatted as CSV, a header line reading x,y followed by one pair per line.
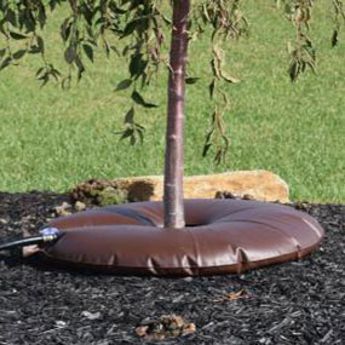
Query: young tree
x,y
140,25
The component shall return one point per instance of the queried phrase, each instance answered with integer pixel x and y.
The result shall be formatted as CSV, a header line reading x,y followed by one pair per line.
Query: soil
x,y
300,302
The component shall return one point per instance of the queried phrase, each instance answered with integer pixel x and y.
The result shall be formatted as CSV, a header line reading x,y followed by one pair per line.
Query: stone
x,y
91,316
63,210
258,185
79,206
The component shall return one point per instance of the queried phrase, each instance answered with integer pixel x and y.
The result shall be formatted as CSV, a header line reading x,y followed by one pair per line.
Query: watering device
x,y
220,237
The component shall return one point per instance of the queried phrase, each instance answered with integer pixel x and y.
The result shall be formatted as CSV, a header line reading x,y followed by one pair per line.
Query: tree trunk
x,y
173,176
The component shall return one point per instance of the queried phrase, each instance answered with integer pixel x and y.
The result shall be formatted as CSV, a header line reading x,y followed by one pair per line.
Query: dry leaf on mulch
x,y
167,326
234,295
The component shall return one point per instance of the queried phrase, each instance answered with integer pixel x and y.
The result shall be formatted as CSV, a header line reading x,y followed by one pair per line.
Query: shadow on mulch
x,y
301,302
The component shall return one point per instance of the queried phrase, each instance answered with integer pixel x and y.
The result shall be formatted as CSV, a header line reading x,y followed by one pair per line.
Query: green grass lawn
x,y
52,139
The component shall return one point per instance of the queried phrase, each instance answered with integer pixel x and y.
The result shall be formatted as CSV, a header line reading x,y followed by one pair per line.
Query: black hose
x,y
28,241
46,235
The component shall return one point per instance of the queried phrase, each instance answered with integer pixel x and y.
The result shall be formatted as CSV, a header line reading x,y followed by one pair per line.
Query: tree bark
x,y
173,176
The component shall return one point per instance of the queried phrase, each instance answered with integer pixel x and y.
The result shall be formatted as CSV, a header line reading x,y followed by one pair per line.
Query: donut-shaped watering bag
x,y
221,236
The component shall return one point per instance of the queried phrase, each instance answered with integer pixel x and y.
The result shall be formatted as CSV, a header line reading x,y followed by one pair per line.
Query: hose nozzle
x,y
50,234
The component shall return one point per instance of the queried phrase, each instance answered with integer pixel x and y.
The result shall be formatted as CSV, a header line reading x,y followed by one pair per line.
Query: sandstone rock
x,y
258,185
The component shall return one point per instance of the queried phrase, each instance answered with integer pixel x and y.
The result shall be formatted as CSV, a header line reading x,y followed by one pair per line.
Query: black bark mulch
x,y
295,303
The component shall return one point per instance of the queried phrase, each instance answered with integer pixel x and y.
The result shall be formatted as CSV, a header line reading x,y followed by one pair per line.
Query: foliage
x,y
90,23
141,25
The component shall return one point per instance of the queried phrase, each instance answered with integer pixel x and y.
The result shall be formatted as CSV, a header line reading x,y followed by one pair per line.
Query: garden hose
x,y
47,235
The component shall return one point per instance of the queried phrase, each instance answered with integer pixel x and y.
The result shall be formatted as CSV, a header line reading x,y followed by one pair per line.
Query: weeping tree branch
x,y
228,23
303,53
339,20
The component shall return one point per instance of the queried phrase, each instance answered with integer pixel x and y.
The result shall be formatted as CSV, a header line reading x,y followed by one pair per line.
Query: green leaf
x,y
39,71
211,88
40,44
127,133
17,36
334,38
80,66
115,50
65,29
70,54
34,50
294,71
11,17
206,149
5,63
137,98
88,51
124,84
88,14
42,16
191,80
19,54
137,65
129,118
129,28
2,53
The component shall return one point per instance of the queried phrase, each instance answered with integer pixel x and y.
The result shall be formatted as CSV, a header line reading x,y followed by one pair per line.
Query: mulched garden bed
x,y
296,303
